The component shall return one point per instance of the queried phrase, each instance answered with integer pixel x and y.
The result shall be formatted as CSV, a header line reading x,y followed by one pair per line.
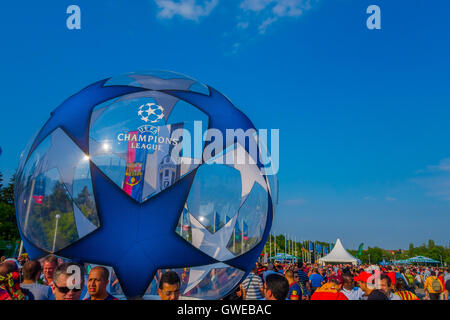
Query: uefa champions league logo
x,y
151,112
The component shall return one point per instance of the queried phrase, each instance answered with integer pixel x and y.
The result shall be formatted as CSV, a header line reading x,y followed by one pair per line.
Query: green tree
x,y
7,194
430,244
8,227
375,255
86,204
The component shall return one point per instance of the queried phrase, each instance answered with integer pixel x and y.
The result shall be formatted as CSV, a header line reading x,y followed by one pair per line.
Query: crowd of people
x,y
52,279
298,281
49,279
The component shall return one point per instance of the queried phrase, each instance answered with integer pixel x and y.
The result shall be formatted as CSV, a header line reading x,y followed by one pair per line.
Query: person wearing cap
x,y
362,281
330,290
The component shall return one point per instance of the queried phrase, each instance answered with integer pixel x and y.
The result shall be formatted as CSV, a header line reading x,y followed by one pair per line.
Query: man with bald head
x,y
97,282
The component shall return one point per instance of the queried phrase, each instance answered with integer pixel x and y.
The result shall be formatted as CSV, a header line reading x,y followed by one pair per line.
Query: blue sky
x,y
363,114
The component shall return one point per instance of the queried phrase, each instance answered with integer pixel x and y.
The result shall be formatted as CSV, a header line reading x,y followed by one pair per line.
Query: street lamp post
x,y
56,229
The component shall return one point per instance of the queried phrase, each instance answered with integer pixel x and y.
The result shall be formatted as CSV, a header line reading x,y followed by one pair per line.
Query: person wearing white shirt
x,y
349,289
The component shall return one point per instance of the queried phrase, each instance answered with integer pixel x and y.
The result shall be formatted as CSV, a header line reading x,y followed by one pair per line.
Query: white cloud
x,y
255,5
279,8
188,9
391,199
437,186
273,10
444,165
243,25
263,26
436,179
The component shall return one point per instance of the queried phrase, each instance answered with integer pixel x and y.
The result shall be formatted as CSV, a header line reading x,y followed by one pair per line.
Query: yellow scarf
x,y
328,287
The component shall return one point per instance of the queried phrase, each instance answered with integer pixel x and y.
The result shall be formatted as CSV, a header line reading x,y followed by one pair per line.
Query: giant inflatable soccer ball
x,y
99,184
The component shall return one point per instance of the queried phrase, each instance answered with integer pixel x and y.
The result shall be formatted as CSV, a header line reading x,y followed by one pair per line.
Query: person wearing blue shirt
x,y
34,291
295,292
316,280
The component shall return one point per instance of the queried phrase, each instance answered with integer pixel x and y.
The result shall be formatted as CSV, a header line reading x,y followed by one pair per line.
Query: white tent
x,y
338,255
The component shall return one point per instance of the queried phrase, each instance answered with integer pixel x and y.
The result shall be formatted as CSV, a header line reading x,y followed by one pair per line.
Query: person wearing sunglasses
x,y
68,281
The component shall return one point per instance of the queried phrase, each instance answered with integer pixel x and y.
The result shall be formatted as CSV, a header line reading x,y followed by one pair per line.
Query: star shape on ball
x,y
130,231
151,110
75,119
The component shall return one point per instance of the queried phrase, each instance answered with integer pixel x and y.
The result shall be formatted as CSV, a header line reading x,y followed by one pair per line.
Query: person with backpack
x,y
252,287
433,287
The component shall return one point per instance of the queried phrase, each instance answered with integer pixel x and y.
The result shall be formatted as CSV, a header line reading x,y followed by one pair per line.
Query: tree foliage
x,y
375,254
8,227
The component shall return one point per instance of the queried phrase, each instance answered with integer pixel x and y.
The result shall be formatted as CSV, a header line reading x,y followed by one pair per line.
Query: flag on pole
x,y
136,159
39,189
185,221
244,231
360,250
